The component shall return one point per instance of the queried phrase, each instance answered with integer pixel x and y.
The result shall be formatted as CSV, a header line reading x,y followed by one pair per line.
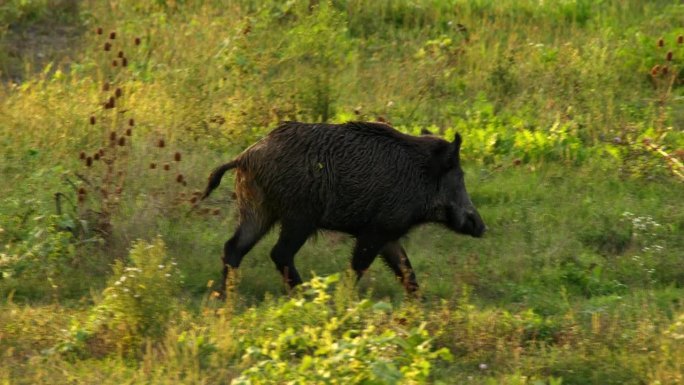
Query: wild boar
x,y
365,179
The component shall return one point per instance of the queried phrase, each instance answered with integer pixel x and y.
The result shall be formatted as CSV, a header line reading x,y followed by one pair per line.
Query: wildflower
x,y
131,122
120,54
112,35
122,141
137,41
82,155
107,46
118,92
153,165
661,42
668,57
167,167
161,143
99,30
92,119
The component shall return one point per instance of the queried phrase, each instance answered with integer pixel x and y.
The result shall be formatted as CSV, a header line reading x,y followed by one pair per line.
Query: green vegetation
x,y
571,113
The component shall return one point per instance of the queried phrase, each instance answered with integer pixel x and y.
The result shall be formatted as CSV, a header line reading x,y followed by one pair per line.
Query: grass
x,y
578,281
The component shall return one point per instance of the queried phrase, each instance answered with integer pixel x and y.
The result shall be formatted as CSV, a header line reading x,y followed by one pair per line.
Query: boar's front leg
x,y
395,257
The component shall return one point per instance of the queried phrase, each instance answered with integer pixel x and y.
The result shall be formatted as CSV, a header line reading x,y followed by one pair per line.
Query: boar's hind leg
x,y
248,233
291,239
397,260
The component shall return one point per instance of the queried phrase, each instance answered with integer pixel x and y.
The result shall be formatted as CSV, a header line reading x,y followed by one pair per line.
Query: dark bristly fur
x,y
365,179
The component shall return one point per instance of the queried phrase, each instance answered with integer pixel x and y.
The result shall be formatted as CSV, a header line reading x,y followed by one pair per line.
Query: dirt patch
x,y
29,43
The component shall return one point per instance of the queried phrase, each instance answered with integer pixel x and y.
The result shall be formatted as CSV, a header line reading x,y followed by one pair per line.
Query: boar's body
x,y
365,179
347,178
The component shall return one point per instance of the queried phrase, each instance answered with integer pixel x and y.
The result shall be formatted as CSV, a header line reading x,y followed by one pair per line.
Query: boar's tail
x,y
216,175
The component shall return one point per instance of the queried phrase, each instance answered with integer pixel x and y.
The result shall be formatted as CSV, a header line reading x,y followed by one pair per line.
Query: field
x,y
113,113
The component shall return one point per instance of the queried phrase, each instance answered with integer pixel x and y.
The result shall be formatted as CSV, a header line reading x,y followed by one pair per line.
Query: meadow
x,y
113,113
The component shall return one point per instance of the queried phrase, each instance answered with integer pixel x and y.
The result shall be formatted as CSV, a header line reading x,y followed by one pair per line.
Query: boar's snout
x,y
473,224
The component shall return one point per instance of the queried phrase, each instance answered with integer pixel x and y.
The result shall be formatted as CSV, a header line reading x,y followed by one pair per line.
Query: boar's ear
x,y
425,131
444,157
457,142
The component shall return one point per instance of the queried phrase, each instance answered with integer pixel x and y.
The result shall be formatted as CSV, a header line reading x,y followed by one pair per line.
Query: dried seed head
x,y
92,119
112,35
96,156
81,191
101,152
82,155
161,143
517,162
124,62
668,57
81,198
680,39
655,70
680,153
137,41
216,212
99,30
661,42
120,54
193,200
105,86
665,70
153,165
107,46
179,178
131,122
112,136
122,141
129,132
167,167
89,161
177,156
118,92
114,63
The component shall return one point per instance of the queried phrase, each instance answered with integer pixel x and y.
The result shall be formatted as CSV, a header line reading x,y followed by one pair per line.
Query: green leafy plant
x,y
356,344
137,304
